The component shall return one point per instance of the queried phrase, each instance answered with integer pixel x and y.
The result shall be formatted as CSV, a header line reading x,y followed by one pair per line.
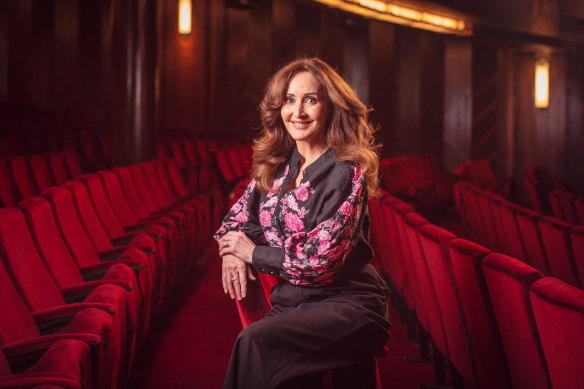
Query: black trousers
x,y
294,347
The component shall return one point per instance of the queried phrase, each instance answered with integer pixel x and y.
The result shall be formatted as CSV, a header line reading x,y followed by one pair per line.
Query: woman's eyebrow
x,y
305,94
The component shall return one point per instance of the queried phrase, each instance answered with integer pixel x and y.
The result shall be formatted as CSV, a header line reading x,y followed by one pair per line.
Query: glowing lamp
x,y
394,13
184,17
542,83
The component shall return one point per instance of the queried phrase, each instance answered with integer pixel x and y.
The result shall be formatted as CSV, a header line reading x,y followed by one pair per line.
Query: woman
x,y
303,217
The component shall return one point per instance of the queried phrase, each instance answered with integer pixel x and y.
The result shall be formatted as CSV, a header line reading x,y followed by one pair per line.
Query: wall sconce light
x,y
184,18
542,83
394,13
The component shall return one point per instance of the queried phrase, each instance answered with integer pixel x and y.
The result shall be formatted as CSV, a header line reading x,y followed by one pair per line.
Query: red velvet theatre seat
x,y
435,324
59,168
40,292
73,163
23,333
434,242
90,263
63,364
527,221
401,279
41,172
577,243
119,219
508,281
9,194
23,177
64,270
490,362
555,235
559,314
511,230
409,225
99,237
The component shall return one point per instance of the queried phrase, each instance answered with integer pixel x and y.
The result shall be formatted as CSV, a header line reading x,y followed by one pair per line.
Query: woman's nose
x,y
299,109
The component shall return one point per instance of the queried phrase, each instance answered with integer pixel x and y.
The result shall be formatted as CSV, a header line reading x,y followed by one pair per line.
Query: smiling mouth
x,y
300,124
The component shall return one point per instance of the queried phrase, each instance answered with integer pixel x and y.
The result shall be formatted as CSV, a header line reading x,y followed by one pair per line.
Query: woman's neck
x,y
310,152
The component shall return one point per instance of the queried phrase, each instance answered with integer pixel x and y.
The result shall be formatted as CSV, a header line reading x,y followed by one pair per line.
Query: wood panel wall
x,y
86,55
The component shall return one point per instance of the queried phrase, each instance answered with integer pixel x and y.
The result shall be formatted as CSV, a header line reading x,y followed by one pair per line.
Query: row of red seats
x,y
188,150
552,198
499,321
34,132
479,172
22,177
205,160
87,265
567,206
234,162
417,179
553,246
539,183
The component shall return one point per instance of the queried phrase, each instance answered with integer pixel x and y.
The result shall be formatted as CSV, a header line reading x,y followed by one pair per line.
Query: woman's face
x,y
305,109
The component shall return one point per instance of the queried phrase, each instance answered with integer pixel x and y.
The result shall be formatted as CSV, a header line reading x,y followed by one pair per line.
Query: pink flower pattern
x,y
311,257
238,215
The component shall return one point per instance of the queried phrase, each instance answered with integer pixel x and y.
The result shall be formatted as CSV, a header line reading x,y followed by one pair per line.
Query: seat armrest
x,y
38,344
76,293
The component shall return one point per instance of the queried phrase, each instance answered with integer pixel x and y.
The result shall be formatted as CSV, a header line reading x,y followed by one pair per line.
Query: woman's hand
x,y
234,274
238,244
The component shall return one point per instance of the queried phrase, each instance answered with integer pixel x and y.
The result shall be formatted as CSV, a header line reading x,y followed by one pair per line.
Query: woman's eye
x,y
288,100
311,100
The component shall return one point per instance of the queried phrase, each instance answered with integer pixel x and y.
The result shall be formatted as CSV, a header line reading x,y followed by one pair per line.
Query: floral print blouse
x,y
305,235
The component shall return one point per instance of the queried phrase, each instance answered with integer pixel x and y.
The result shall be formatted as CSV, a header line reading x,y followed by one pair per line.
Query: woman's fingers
x,y
250,274
224,281
234,277
227,284
231,289
242,282
237,244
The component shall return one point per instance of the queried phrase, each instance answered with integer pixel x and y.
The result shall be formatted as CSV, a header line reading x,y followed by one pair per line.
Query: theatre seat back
x,y
410,225
73,163
491,364
555,235
577,243
401,252
9,195
508,281
430,302
144,188
511,229
134,199
41,172
103,207
19,324
88,215
59,168
434,242
50,243
527,221
71,226
23,177
391,244
22,260
559,313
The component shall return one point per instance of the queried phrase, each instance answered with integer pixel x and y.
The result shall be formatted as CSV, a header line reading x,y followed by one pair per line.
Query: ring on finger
x,y
225,244
234,279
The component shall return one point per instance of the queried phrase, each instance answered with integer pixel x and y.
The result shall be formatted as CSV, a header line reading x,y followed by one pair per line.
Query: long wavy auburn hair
x,y
347,132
